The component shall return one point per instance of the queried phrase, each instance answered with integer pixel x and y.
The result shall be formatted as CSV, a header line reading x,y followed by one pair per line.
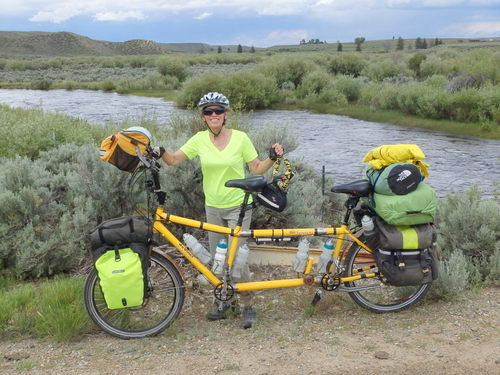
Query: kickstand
x,y
317,296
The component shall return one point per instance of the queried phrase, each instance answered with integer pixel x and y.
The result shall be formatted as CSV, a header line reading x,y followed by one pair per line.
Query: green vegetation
x,y
51,308
54,189
449,87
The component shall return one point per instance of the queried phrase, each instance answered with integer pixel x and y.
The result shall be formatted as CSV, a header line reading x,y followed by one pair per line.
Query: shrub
x,y
313,83
41,85
244,90
378,71
350,87
168,66
470,225
453,277
33,131
286,69
50,204
346,64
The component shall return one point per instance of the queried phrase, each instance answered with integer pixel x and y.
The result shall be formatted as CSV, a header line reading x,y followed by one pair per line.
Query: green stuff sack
x,y
121,278
417,207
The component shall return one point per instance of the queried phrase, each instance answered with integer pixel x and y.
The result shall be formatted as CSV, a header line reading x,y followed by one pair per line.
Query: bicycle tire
x,y
385,298
161,306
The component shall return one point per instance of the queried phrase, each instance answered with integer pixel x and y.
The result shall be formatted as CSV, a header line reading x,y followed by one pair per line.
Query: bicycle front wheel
x,y
378,297
161,306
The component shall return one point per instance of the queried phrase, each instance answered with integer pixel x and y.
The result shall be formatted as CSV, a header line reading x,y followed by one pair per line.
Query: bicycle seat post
x,y
243,208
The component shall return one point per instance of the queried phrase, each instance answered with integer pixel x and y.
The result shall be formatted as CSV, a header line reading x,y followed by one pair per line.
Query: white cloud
x,y
285,37
56,16
120,15
482,28
204,15
111,10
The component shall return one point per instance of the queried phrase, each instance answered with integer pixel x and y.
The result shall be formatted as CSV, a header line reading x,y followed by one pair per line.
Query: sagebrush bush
x,y
50,204
470,225
453,276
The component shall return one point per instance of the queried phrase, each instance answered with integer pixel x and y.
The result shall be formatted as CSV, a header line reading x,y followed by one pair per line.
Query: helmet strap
x,y
211,131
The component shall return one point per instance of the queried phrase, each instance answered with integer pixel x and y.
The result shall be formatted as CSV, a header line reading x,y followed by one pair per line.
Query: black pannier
x,y
407,267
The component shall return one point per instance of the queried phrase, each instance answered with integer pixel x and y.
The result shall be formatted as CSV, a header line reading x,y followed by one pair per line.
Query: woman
x,y
223,153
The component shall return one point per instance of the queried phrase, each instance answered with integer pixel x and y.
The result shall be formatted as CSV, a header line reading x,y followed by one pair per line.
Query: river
x,y
336,142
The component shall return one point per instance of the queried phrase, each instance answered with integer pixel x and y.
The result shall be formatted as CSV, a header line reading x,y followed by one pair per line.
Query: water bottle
x,y
197,248
302,255
220,257
369,231
325,256
240,260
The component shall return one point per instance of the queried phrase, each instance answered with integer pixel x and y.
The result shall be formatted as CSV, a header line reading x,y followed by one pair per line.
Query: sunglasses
x,y
210,111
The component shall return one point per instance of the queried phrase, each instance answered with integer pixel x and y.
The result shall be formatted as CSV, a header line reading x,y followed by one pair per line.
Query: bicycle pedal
x,y
317,297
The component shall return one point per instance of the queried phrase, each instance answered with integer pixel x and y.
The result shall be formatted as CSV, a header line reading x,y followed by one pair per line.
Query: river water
x,y
336,142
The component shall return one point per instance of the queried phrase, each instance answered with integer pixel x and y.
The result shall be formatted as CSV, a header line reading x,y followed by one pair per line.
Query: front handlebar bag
x,y
121,148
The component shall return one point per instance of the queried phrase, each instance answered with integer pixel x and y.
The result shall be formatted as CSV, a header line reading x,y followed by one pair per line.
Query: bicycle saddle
x,y
253,184
359,188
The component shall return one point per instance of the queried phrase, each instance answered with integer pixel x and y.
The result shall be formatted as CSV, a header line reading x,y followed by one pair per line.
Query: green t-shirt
x,y
220,166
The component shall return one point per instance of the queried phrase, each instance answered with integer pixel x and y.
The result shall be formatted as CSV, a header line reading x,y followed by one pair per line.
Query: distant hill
x,y
18,43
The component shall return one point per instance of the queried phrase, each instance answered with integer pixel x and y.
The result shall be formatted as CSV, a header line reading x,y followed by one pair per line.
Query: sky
x,y
259,23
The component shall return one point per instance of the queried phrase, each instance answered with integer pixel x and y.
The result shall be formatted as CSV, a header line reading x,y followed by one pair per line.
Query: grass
x,y
50,308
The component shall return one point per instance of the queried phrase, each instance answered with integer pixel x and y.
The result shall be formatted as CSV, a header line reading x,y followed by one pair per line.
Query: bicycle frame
x,y
308,279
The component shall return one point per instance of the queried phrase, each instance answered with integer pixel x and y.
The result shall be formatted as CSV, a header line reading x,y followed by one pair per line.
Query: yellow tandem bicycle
x,y
352,268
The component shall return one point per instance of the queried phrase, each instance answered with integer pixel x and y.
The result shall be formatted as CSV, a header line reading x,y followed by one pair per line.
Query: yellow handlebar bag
x,y
121,148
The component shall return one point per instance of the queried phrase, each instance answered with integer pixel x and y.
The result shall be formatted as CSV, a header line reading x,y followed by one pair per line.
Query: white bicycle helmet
x,y
213,98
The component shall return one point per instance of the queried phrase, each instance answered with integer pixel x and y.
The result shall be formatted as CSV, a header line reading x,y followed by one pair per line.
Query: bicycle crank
x,y
223,292
329,283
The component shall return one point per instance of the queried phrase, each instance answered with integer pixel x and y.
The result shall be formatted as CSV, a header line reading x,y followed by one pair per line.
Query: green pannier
x,y
417,207
395,179
120,249
121,277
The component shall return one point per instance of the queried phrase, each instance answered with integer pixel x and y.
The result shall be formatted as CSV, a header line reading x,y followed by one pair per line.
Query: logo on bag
x,y
403,175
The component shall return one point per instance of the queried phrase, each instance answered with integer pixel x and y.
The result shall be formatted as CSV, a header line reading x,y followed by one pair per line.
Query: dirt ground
x,y
290,337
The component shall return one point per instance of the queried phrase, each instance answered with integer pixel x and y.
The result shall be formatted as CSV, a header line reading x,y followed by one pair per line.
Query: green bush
x,y
346,64
284,69
169,66
244,90
470,225
313,83
378,71
33,131
350,87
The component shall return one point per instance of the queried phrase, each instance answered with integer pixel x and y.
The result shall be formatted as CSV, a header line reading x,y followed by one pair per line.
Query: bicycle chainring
x,y
328,283
223,292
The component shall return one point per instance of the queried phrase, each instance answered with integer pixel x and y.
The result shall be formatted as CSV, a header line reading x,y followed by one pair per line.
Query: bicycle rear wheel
x,y
161,306
384,298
